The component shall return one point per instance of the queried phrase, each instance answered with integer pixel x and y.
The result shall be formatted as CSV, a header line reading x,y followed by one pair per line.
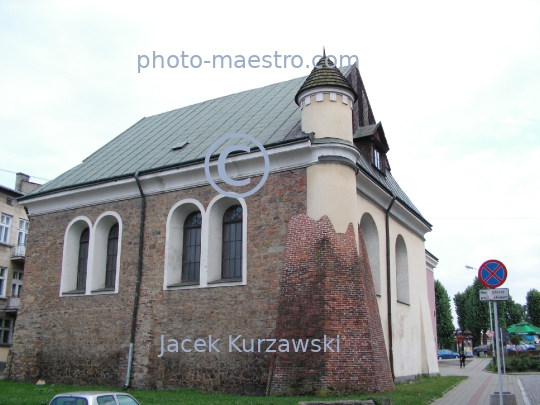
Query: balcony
x,y
13,303
18,253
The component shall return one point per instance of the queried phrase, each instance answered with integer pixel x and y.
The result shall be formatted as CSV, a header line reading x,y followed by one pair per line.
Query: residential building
x,y
14,225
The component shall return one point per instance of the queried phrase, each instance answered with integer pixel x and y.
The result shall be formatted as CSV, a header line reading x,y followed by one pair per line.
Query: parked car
x,y
94,398
447,354
481,349
520,348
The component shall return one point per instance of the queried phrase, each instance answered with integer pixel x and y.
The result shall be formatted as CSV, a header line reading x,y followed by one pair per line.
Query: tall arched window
x,y
83,260
371,238
191,253
231,266
402,271
112,253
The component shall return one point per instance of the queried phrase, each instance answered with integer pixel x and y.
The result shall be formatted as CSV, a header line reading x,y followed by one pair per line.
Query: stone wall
x,y
85,339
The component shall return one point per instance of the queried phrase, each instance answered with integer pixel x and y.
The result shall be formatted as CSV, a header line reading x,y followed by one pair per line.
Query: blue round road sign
x,y
492,273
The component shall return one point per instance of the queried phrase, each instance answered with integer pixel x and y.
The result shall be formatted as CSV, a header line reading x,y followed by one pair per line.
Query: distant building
x,y
14,226
329,248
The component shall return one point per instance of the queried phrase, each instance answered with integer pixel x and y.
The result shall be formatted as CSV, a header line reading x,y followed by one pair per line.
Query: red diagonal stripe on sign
x,y
492,274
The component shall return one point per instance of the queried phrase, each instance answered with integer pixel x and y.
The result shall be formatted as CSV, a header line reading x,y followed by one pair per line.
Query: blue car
x,y
447,354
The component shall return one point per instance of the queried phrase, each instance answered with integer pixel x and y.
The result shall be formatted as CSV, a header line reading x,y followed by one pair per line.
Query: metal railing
x,y
19,251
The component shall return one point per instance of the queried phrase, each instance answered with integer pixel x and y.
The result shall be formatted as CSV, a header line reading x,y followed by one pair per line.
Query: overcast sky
x,y
455,84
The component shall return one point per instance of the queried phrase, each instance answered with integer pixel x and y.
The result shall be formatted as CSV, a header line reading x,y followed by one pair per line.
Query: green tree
x,y
524,314
445,323
533,306
513,312
461,310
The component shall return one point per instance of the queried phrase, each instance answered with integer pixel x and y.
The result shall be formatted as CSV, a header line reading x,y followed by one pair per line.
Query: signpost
x,y
497,294
492,274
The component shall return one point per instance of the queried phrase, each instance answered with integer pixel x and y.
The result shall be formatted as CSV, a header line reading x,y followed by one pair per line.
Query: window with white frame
x,y
75,256
227,244
3,280
23,232
5,227
377,159
16,283
105,242
6,330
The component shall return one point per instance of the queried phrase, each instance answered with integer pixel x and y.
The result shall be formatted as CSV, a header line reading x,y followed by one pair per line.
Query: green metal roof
x,y
269,114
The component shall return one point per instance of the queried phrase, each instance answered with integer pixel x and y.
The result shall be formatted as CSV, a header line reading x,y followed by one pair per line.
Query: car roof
x,y
90,393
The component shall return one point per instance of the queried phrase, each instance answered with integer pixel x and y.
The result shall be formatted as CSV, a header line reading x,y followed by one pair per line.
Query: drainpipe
x,y
138,283
389,287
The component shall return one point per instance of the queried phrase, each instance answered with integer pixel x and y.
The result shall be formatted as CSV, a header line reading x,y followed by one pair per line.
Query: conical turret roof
x,y
326,76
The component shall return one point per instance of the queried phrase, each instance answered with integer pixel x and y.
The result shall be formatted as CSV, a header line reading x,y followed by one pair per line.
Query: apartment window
x,y
3,277
5,226
83,260
191,253
9,201
112,253
16,284
23,232
232,243
6,330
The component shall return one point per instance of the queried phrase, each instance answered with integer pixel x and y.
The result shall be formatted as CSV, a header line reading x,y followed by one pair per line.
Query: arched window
x,y
231,264
112,253
371,238
191,253
83,260
402,271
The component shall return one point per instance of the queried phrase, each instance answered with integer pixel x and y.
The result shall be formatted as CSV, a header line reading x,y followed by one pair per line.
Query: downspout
x,y
389,287
138,283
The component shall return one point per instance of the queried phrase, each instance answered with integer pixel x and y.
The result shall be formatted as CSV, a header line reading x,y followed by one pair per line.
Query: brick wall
x,y
327,289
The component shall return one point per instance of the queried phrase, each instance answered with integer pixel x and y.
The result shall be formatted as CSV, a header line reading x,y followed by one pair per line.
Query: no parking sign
x,y
492,273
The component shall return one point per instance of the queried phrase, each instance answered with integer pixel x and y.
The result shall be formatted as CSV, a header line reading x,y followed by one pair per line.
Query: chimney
x,y
19,181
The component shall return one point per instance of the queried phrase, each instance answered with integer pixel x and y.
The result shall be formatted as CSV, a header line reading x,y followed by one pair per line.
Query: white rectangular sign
x,y
496,294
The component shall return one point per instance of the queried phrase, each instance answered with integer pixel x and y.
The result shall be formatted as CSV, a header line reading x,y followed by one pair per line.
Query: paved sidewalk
x,y
476,390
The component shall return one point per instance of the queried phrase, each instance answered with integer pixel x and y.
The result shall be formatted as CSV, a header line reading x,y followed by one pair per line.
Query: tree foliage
x,y
533,307
513,312
445,323
473,314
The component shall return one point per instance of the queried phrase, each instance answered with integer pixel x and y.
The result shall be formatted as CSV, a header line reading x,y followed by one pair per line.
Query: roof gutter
x,y
154,170
389,287
137,284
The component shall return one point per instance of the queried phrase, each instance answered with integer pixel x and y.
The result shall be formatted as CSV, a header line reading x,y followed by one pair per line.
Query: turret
x,y
326,99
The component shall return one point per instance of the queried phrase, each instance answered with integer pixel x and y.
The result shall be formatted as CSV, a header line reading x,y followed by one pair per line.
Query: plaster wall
x,y
413,341
327,119
331,191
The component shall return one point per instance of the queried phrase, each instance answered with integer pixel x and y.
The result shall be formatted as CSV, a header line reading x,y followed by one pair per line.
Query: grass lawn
x,y
418,393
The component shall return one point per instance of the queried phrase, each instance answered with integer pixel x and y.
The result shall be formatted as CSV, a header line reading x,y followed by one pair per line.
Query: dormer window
x,y
377,159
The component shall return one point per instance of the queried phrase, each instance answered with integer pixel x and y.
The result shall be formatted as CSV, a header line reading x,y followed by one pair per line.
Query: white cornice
x,y
282,158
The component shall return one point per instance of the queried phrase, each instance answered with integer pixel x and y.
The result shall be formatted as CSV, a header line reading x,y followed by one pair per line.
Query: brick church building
x,y
139,273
